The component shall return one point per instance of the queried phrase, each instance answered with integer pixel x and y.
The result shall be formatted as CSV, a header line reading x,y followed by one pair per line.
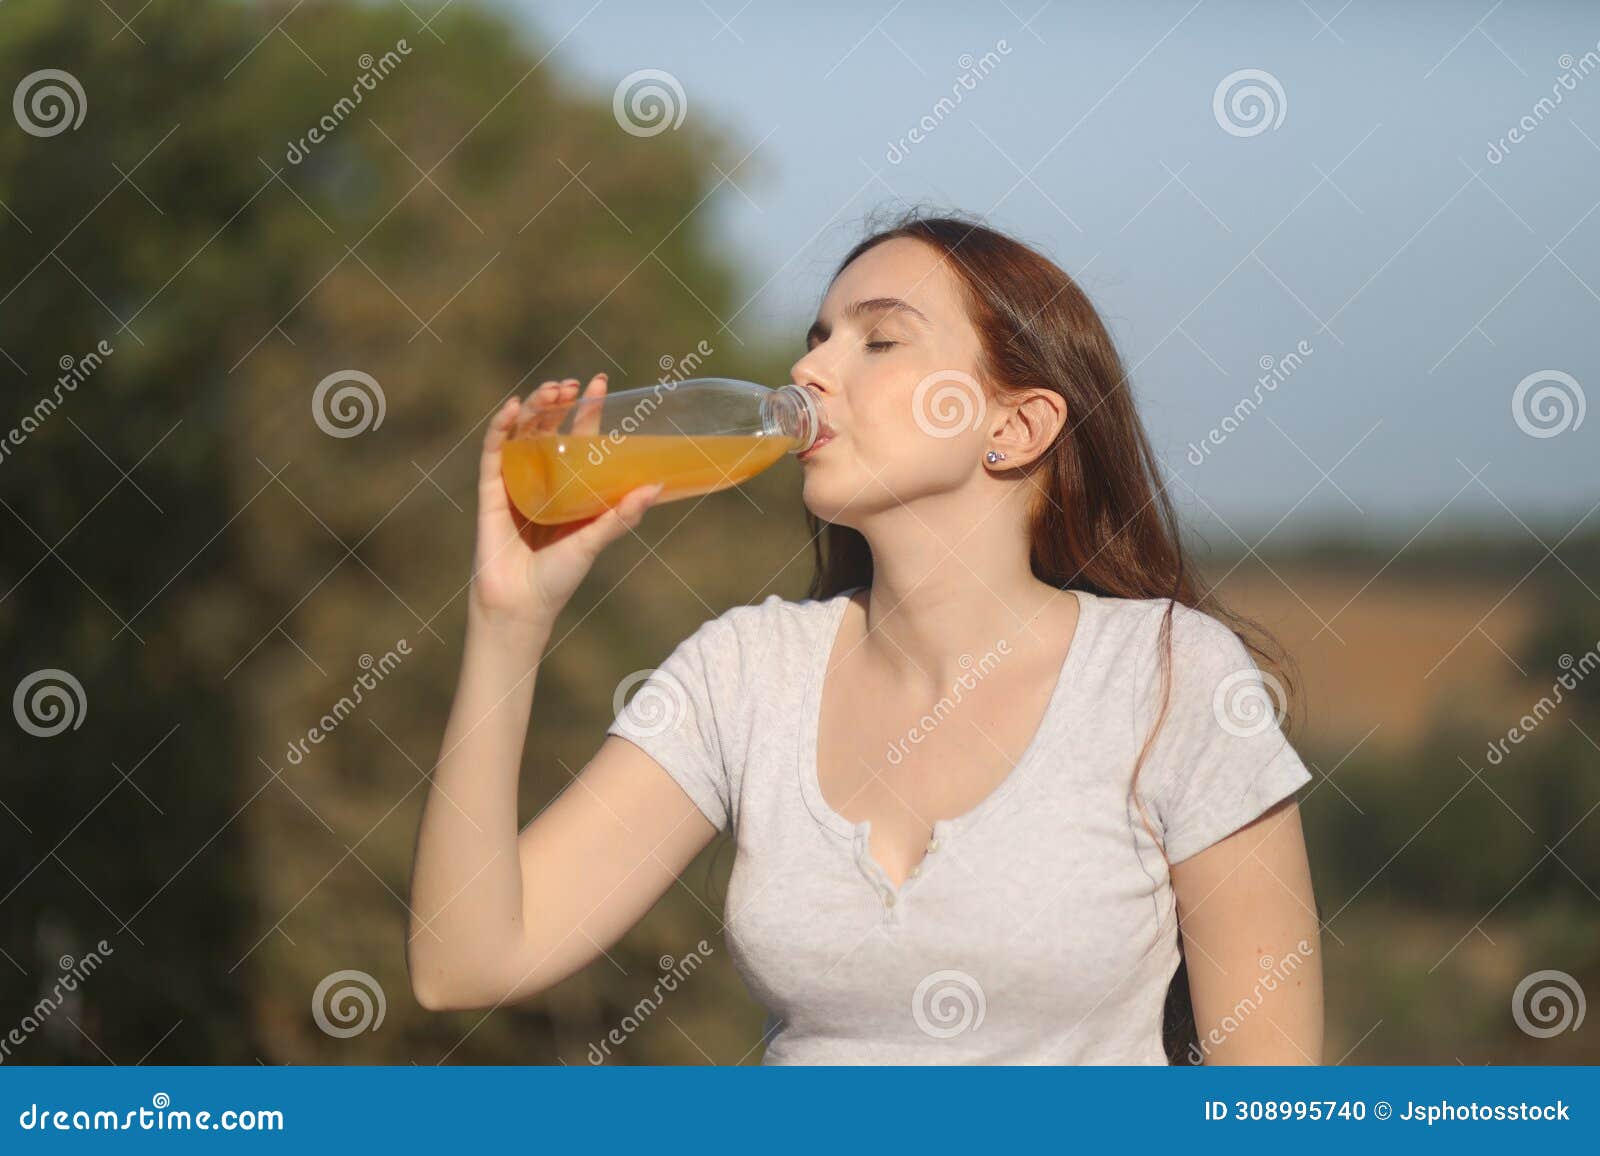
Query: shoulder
x,y
753,634
1141,621
1136,632
774,612
1203,637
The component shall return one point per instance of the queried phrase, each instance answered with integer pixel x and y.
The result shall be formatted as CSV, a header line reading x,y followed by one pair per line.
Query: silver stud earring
x,y
994,456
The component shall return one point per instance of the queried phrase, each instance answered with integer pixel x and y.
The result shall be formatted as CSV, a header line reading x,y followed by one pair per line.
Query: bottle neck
x,y
798,414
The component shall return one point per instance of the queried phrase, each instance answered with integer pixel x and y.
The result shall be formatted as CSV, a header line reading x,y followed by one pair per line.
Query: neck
x,y
947,588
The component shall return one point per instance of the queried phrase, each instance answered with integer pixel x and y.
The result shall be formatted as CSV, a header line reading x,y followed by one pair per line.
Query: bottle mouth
x,y
798,413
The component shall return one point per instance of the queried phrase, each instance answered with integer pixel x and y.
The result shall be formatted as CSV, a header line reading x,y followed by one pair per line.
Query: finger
x,y
569,394
621,519
540,410
588,419
555,400
500,426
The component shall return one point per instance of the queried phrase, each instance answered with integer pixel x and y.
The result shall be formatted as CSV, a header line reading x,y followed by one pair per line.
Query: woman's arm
x,y
497,915
1253,944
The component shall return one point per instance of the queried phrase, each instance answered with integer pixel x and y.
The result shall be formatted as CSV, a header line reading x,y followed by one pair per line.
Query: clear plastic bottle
x,y
572,461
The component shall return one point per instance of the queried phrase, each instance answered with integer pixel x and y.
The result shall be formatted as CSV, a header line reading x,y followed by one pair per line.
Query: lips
x,y
825,429
823,438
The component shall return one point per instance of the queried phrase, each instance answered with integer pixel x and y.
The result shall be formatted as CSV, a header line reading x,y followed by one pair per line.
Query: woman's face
x,y
894,358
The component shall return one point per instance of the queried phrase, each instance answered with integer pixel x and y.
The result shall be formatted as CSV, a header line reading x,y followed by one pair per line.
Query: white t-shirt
x,y
1041,927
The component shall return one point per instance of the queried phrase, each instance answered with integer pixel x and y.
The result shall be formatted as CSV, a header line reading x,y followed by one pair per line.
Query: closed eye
x,y
880,346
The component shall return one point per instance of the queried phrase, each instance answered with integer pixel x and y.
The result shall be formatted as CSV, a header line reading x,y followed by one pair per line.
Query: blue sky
x,y
1370,222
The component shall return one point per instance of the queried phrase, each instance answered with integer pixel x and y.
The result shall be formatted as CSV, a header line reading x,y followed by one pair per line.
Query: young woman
x,y
998,786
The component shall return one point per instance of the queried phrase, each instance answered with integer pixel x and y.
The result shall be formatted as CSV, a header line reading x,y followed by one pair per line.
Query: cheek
x,y
891,456
947,406
883,419
914,425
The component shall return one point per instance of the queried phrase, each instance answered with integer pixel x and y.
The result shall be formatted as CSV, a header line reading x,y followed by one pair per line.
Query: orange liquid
x,y
556,478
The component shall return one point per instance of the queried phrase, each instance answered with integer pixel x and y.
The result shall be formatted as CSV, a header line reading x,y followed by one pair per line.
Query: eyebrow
x,y
819,331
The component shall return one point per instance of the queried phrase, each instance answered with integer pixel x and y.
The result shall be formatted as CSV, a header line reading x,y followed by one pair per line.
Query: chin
x,y
826,500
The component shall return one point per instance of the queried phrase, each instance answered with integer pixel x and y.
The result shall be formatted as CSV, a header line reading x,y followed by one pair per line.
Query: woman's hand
x,y
523,573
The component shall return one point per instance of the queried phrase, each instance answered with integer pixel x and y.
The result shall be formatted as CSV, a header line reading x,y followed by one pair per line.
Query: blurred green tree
x,y
211,554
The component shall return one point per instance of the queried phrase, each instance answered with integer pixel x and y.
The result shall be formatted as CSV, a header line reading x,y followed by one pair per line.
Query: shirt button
x,y
933,845
915,871
888,899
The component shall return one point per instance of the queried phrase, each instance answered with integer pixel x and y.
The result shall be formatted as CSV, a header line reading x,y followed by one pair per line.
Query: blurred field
x,y
1391,654
1441,888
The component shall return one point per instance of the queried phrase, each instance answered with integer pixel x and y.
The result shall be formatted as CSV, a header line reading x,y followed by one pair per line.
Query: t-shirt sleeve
x,y
1221,758
681,712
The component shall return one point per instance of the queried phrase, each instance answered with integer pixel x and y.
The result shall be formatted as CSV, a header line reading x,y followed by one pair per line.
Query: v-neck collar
x,y
811,717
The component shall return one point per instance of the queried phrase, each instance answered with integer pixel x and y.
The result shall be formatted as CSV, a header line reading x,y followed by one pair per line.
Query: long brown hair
x,y
1102,520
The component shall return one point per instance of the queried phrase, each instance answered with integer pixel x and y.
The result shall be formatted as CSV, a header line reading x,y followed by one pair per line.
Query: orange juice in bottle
x,y
573,461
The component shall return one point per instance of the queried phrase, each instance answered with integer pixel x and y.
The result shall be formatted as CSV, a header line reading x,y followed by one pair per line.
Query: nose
x,y
805,376
811,374
816,375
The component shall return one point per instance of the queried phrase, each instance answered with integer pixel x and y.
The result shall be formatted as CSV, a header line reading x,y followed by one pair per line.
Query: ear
x,y
1026,428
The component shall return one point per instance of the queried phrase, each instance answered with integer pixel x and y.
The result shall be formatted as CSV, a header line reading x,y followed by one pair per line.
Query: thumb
x,y
620,519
